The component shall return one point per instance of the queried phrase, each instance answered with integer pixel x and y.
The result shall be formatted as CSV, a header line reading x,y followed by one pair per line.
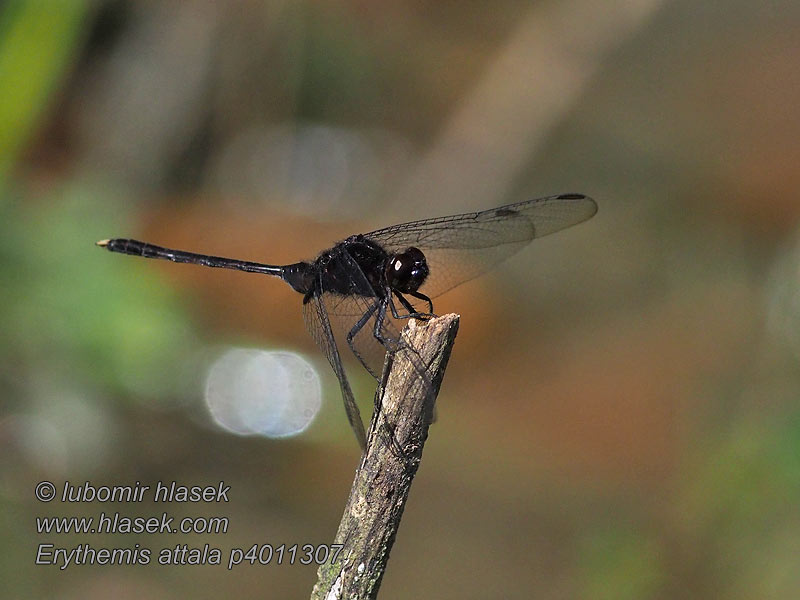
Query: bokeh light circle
x,y
259,392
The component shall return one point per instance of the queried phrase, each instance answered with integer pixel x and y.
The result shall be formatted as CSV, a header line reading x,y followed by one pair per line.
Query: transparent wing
x,y
358,315
319,326
461,247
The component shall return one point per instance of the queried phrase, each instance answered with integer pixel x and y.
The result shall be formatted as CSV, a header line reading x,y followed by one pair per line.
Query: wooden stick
x,y
382,482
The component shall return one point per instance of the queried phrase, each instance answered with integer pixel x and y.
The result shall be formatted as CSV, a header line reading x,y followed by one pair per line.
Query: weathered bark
x,y
397,435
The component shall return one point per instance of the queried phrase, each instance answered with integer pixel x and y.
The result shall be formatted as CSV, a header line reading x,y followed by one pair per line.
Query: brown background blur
x,y
620,416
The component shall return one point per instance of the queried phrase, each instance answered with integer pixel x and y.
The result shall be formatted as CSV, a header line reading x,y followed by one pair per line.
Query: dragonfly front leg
x,y
424,298
412,313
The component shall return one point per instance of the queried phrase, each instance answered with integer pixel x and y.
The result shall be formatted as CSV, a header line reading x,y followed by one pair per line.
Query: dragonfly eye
x,y
407,270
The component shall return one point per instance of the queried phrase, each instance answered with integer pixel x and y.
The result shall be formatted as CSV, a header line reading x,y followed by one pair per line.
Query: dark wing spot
x,y
505,212
571,197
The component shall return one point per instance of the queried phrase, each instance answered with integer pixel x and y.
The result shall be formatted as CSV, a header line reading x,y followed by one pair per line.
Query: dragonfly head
x,y
406,270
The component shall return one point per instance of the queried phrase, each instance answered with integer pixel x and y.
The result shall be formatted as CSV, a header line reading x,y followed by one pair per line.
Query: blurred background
x,y
620,415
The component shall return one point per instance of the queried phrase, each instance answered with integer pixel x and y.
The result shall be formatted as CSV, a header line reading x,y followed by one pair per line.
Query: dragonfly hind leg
x,y
389,343
355,331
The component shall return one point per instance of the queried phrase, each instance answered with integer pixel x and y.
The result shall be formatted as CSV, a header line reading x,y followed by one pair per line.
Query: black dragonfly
x,y
361,287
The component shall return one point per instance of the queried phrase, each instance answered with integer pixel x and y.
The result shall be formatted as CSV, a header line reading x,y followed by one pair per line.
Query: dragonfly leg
x,y
354,332
426,299
388,343
412,314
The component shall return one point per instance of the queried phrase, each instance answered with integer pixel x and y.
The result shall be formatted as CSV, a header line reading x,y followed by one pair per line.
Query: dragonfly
x,y
357,292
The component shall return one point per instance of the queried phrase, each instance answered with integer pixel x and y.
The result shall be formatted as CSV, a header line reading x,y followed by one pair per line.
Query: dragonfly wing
x,y
319,325
461,247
